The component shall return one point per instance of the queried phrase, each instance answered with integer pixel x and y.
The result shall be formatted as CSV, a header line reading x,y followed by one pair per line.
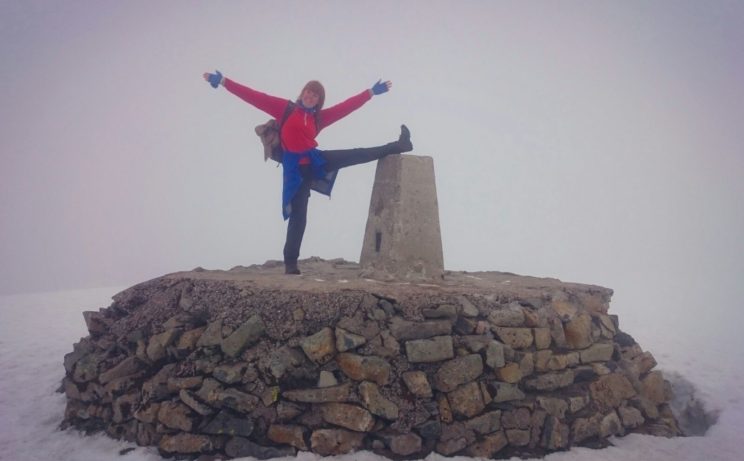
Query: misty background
x,y
591,141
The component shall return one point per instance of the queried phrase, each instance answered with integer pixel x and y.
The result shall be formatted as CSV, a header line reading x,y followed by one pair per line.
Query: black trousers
x,y
336,159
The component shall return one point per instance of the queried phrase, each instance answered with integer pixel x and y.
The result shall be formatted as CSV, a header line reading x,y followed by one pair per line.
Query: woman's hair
x,y
317,88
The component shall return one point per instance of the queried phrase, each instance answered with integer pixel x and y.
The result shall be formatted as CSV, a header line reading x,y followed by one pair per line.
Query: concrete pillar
x,y
402,239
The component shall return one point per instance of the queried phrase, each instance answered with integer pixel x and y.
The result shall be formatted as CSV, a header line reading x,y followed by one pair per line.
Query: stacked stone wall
x,y
214,367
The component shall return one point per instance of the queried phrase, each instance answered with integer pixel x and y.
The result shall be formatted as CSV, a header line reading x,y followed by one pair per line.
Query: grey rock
x,y
495,355
517,338
235,400
631,417
443,311
611,425
467,400
212,336
554,406
550,381
405,444
599,352
376,403
247,334
293,435
328,442
489,446
225,424
156,347
327,379
485,423
185,444
320,347
230,374
417,383
404,330
361,368
431,350
458,371
176,416
126,367
505,392
190,400
476,343
346,341
518,437
340,393
348,416
508,316
238,447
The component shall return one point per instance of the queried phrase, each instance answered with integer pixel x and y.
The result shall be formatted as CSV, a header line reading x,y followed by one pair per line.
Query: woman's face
x,y
310,98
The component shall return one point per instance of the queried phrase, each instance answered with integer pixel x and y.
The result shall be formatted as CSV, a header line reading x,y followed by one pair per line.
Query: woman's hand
x,y
381,87
214,79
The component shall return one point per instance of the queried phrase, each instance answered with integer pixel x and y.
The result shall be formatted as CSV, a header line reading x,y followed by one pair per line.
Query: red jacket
x,y
299,131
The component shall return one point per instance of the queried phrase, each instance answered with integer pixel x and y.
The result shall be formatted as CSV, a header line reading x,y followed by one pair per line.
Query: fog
x,y
591,141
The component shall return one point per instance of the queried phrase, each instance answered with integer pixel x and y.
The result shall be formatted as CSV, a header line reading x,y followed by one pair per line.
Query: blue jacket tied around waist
x,y
322,181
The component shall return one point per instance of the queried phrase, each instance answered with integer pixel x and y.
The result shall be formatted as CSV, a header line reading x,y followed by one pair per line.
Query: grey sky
x,y
593,141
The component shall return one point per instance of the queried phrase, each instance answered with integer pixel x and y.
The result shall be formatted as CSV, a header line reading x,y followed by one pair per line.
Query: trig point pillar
x,y
402,239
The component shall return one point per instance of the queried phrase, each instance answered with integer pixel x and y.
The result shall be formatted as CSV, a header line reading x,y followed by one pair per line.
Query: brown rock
x,y
550,381
186,444
510,373
458,371
348,416
584,428
509,316
234,399
375,402
518,437
505,392
445,410
467,400
611,390
555,434
631,417
488,447
320,347
485,423
517,338
191,382
417,383
156,347
611,425
176,416
599,352
654,388
328,442
405,444
212,336
226,424
495,355
288,435
126,367
361,368
579,331
187,341
239,447
519,418
554,406
190,401
147,414
542,338
230,374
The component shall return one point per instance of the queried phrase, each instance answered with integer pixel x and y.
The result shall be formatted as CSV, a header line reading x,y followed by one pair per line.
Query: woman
x,y
306,167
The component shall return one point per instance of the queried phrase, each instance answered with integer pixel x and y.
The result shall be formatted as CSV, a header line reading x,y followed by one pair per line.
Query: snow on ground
x,y
37,330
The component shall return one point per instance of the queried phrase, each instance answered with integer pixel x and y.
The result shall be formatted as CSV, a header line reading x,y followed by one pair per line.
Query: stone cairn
x,y
221,366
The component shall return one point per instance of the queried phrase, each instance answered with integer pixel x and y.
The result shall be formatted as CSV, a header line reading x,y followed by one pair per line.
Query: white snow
x,y
37,330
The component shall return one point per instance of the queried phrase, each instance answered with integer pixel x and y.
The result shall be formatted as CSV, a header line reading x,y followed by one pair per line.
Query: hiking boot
x,y
291,268
404,141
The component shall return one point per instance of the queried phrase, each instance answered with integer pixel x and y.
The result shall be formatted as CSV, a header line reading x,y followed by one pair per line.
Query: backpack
x,y
269,133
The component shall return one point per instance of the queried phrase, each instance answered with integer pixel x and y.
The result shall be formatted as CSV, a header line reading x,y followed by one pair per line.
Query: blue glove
x,y
380,87
215,79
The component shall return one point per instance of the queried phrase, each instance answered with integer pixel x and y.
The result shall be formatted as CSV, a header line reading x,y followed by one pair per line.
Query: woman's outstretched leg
x,y
338,159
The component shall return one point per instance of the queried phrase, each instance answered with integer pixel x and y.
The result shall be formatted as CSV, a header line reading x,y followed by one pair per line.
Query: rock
x,y
431,350
156,347
458,371
550,381
187,341
212,336
190,401
526,363
288,435
610,425
654,388
340,393
329,442
191,382
320,347
417,383
505,392
584,428
444,409
247,334
404,330
631,417
327,379
185,444
286,411
510,316
348,416
542,338
430,429
226,424
467,400
126,367
611,390
346,341
517,338
443,311
488,447
238,447
405,444
576,403
208,387
579,332
518,437
375,402
452,446
547,361
289,364
147,414
176,416
555,434
80,349
485,423
468,309
557,334
518,418
554,406
96,322
510,373
476,343
235,400
495,355
230,374
599,352
362,368
123,407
